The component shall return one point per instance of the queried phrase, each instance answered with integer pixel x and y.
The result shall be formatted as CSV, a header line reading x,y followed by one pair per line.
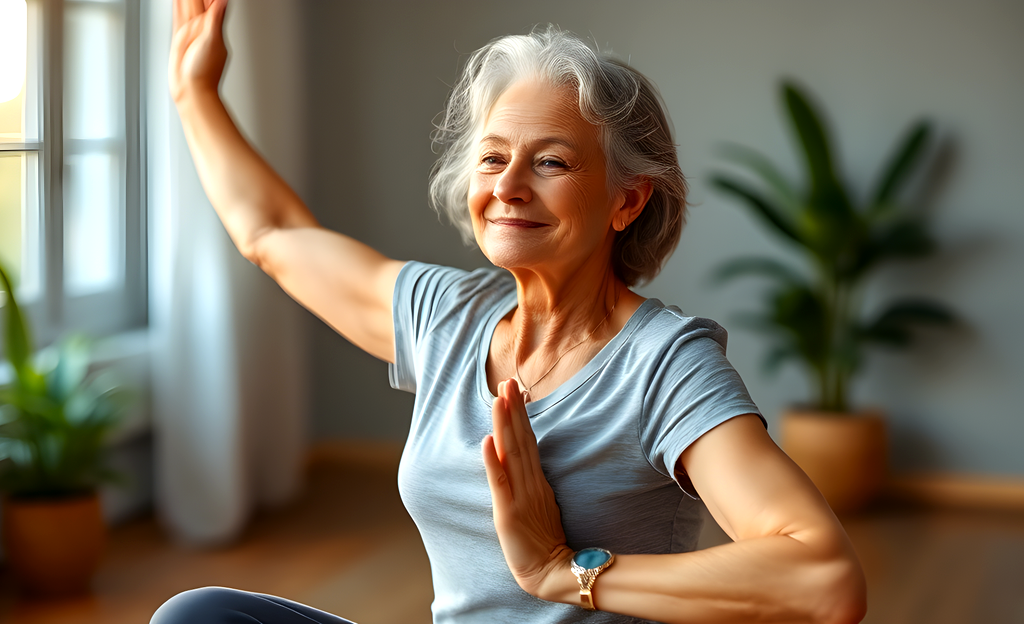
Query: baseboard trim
x,y
961,491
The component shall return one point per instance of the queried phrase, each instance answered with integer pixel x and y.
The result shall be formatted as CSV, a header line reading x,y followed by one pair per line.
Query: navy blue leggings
x,y
219,605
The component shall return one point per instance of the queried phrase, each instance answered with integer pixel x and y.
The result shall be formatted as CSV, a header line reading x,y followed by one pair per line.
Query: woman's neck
x,y
555,314
558,327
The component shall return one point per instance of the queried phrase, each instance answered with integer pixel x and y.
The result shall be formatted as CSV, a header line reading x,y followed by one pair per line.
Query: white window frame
x,y
55,312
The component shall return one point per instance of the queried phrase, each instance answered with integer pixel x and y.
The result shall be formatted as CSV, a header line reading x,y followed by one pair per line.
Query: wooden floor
x,y
347,544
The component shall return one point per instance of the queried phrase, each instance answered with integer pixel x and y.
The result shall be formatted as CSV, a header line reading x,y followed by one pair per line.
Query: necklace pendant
x,y
524,393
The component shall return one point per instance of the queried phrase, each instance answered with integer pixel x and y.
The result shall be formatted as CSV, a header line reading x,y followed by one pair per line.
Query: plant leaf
x,y
759,206
767,171
906,238
800,311
53,427
795,316
72,366
918,311
16,331
901,164
893,326
829,225
752,265
817,153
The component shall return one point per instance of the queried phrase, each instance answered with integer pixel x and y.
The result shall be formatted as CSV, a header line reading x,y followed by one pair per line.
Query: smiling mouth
x,y
521,223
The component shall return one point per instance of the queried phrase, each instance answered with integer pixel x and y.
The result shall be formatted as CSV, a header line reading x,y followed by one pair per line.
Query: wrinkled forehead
x,y
534,101
532,108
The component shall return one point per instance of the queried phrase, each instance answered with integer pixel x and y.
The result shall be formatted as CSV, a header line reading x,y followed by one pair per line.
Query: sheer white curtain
x,y
228,378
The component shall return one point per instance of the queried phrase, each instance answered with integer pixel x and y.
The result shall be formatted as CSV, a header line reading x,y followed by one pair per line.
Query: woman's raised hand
x,y
198,52
526,516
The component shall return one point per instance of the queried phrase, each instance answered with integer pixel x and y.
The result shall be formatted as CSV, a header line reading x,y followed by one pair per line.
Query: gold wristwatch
x,y
586,565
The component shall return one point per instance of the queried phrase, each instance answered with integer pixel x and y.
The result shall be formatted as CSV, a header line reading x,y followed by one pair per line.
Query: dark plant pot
x,y
54,546
843,454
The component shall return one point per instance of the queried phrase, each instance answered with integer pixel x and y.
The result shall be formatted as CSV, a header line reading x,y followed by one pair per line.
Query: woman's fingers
x,y
526,515
212,21
501,495
525,437
177,19
180,42
219,7
506,444
516,442
179,14
198,52
184,40
184,10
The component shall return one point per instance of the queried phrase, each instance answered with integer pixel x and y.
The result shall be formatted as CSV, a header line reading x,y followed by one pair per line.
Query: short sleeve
x,y
694,389
419,295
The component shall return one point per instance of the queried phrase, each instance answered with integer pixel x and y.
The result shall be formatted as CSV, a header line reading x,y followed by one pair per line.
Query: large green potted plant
x,y
813,314
54,420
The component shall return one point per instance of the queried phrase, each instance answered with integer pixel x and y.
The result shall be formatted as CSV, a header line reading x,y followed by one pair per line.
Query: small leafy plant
x,y
817,319
54,415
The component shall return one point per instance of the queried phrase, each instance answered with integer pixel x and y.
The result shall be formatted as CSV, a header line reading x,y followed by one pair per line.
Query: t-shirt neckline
x,y
533,408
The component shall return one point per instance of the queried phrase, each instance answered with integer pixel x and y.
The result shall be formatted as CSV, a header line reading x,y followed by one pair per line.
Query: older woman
x,y
606,420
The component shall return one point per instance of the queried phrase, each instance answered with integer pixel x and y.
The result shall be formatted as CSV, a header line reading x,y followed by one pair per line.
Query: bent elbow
x,y
844,593
849,609
254,249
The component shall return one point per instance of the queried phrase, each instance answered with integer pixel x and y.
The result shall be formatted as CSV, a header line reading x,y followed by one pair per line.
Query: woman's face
x,y
539,197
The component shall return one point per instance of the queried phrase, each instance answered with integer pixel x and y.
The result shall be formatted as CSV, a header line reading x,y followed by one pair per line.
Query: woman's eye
x,y
550,163
492,161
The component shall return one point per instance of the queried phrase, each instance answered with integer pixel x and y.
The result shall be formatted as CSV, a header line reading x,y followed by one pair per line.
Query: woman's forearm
x,y
791,560
249,196
769,579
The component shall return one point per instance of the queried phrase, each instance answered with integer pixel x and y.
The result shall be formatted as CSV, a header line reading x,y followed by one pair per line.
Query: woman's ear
x,y
634,199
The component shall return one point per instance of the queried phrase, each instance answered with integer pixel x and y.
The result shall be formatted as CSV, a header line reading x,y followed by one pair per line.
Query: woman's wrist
x,y
559,584
195,97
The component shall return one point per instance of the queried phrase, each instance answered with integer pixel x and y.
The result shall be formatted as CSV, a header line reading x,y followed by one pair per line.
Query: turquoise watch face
x,y
591,558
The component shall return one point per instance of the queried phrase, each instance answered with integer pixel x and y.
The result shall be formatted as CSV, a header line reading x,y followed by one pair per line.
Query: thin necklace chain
x,y
515,360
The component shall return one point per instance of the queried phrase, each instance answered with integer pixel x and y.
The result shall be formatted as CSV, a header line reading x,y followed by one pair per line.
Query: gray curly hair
x,y
634,128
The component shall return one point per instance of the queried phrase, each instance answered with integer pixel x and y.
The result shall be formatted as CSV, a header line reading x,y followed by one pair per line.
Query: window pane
x,y
19,82
19,221
11,127
10,212
93,230
93,71
94,131
13,34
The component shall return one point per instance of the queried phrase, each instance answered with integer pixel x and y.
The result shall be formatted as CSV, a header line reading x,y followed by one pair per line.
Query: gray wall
x,y
378,74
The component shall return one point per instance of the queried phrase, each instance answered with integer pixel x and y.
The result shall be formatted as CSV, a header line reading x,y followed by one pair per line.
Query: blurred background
x,y
250,402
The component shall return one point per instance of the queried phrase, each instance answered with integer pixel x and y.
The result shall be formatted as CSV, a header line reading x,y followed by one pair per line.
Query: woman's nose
x,y
513,185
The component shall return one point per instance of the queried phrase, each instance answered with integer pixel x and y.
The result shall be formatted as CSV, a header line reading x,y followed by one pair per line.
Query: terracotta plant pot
x,y
54,546
843,454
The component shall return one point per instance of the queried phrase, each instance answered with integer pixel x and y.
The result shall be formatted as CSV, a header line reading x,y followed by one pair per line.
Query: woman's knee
x,y
205,605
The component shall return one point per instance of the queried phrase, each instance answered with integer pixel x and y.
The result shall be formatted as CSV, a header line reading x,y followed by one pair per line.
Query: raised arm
x,y
344,282
790,562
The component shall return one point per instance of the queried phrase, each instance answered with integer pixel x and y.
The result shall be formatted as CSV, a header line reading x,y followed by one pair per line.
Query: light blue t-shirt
x,y
609,437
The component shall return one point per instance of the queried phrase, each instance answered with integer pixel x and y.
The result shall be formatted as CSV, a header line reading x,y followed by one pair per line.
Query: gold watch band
x,y
587,576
